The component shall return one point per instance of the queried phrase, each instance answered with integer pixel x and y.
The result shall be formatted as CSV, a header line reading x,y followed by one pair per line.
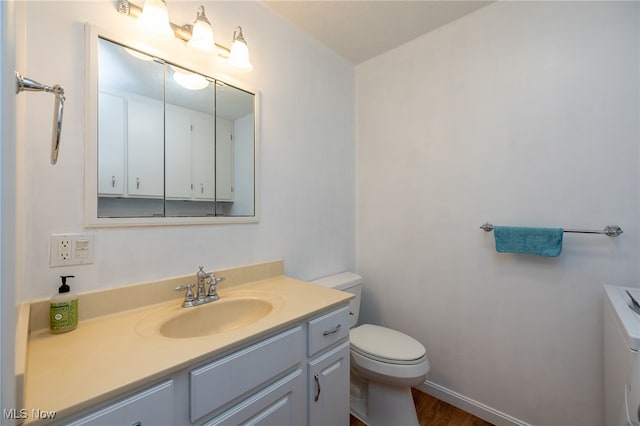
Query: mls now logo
x,y
23,414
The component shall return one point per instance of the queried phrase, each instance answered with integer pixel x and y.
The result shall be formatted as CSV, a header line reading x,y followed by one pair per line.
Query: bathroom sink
x,y
224,315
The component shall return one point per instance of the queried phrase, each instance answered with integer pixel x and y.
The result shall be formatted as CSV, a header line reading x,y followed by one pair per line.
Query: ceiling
x,y
359,30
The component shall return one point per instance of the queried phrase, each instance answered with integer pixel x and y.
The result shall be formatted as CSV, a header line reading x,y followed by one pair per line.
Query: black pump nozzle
x,y
64,288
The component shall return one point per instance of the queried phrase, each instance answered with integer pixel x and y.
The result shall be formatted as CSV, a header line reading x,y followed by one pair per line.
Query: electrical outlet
x,y
64,249
71,249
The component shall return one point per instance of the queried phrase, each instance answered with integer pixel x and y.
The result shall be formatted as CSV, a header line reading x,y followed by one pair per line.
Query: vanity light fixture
x,y
198,36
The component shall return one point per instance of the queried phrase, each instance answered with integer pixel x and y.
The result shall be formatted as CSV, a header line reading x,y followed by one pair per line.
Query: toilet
x,y
385,364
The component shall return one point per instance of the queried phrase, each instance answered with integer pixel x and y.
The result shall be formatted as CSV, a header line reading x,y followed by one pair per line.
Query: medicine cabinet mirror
x,y
165,144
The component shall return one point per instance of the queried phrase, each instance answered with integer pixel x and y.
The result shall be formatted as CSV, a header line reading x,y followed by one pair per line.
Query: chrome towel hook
x,y
26,84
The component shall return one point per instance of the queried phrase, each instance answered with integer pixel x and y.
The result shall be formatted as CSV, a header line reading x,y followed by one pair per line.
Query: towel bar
x,y
609,230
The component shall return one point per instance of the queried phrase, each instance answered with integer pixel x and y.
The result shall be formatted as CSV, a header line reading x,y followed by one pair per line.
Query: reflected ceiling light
x,y
199,35
239,56
155,18
189,80
138,55
202,33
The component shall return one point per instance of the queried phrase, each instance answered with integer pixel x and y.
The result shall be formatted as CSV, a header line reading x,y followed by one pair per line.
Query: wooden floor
x,y
433,412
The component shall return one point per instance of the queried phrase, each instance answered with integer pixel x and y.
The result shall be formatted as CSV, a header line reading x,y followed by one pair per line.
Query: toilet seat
x,y
386,345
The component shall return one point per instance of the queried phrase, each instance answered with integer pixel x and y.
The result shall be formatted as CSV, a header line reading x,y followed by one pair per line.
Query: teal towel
x,y
539,241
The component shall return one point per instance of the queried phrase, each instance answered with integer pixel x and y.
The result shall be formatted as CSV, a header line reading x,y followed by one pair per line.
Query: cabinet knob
x,y
137,183
113,181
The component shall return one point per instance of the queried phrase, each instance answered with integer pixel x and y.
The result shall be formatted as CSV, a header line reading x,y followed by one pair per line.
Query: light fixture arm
x,y
183,32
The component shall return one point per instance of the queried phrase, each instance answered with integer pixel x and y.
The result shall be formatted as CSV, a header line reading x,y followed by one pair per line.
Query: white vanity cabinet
x,y
294,376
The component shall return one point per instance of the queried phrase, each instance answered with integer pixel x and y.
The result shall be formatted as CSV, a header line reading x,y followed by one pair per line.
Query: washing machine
x,y
621,356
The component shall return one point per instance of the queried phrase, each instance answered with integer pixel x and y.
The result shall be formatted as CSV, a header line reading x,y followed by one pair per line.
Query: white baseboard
x,y
469,405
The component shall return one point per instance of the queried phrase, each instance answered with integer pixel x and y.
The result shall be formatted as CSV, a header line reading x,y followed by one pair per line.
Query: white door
x,y
203,162
280,404
178,154
329,387
111,137
224,160
145,146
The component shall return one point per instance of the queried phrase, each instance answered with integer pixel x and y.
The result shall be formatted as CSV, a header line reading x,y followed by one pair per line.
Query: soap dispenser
x,y
63,309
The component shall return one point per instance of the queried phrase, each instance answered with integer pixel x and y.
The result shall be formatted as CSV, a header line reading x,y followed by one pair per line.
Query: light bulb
x,y
202,33
155,19
189,80
239,55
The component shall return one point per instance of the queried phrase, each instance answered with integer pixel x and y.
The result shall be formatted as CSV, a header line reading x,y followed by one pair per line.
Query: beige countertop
x,y
110,354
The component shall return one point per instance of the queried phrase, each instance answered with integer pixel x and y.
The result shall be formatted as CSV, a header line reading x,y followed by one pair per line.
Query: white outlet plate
x,y
71,249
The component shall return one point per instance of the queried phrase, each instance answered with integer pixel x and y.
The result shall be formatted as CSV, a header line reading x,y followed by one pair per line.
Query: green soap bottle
x,y
63,309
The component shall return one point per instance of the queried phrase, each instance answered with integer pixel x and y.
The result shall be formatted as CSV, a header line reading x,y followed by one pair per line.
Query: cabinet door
x,y
224,160
151,407
329,387
204,156
111,135
145,147
178,153
280,404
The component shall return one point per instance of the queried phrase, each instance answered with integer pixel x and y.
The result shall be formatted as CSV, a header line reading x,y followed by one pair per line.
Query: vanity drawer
x,y
153,406
328,329
281,403
224,380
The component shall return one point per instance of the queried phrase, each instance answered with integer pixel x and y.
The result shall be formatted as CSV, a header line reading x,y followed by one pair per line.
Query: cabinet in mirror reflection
x,y
170,142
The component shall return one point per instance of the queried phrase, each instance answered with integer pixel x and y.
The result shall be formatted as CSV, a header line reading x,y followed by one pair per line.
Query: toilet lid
x,y
385,343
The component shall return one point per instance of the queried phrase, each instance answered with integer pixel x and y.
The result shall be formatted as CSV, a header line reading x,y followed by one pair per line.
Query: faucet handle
x,y
212,292
189,297
184,287
213,280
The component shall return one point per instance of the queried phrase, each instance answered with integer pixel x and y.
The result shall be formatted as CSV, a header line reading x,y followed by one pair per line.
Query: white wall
x,y
306,155
7,206
518,114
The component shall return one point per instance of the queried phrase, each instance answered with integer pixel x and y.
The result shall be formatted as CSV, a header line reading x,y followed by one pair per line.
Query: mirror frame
x,y
91,218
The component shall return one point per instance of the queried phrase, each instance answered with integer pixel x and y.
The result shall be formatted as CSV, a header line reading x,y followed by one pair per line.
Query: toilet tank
x,y
349,282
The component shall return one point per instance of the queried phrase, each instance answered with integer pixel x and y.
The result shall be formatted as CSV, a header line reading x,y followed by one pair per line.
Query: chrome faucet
x,y
202,277
203,295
